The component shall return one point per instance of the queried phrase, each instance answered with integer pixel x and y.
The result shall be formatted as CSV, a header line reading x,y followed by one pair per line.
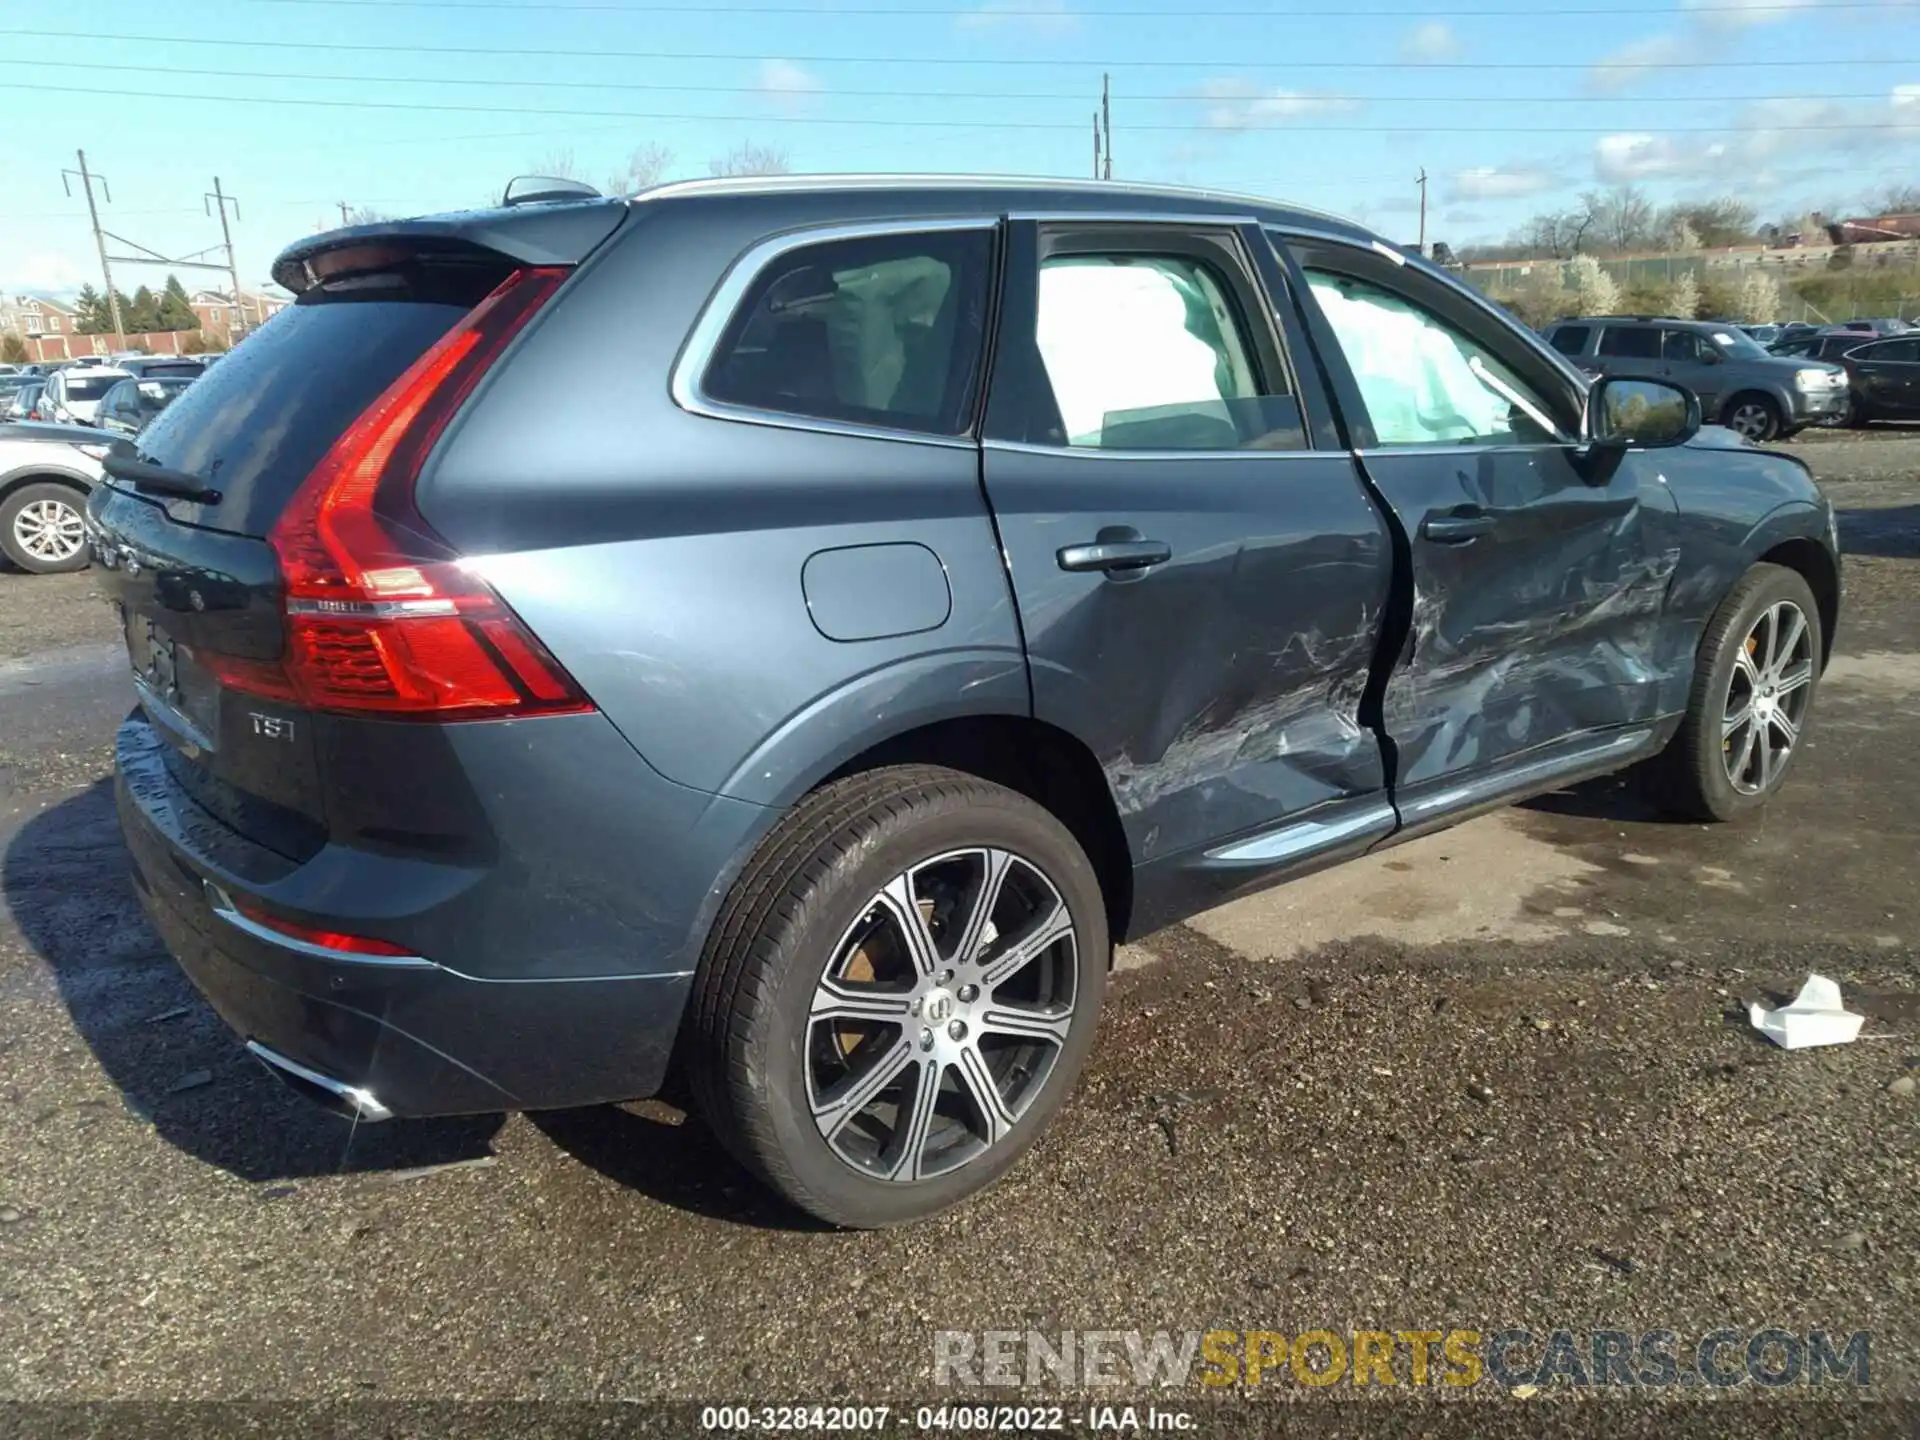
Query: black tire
x,y
1857,417
1690,777
1768,423
745,1044
41,494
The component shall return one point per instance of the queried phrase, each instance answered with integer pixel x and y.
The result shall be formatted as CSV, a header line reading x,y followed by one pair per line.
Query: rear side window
x,y
1908,350
882,331
1571,339
1630,342
256,424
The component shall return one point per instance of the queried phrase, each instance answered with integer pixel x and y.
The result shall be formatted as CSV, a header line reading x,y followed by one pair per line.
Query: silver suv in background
x,y
1761,396
46,473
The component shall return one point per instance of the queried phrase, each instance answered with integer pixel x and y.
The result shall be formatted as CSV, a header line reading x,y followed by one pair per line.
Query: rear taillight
x,y
310,935
382,616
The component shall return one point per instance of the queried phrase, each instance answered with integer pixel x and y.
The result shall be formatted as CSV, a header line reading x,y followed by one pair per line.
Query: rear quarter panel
x,y
661,554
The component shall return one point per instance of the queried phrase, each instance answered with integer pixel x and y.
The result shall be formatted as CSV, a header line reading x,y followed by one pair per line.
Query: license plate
x,y
185,696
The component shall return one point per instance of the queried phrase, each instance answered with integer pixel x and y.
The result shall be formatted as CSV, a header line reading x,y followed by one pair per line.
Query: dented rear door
x,y
1531,608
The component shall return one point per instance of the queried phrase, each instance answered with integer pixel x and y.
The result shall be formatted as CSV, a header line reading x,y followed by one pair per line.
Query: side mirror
x,y
1649,413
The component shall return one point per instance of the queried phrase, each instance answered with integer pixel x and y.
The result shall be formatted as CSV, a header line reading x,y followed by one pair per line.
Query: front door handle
x,y
1115,555
1455,529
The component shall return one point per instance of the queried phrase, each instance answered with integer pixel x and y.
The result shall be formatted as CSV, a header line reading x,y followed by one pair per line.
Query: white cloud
x,y
1043,17
788,85
1630,63
1501,182
1398,205
1628,159
1463,217
1434,40
1741,14
1241,105
1906,102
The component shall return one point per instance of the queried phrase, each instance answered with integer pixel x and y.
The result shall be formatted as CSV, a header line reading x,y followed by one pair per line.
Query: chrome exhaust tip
x,y
330,1094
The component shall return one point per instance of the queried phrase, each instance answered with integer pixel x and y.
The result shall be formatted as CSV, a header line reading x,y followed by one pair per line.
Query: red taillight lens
x,y
325,939
382,616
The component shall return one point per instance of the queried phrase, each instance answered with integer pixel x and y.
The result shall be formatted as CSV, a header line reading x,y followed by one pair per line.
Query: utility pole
x,y
99,239
1106,122
343,212
1423,209
216,196
1096,144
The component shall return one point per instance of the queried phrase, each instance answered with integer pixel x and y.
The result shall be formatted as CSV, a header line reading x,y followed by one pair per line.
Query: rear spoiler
x,y
552,234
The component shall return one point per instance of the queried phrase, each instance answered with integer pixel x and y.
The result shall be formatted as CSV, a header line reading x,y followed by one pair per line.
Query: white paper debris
x,y
1817,1016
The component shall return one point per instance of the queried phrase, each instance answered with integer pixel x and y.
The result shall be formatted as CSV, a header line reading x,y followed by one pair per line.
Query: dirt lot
x,y
1497,1078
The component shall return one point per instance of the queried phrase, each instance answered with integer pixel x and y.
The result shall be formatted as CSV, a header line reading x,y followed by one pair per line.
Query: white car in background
x,y
46,474
74,394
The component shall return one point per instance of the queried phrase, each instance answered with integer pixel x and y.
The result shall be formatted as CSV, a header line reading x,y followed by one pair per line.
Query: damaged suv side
x,y
971,574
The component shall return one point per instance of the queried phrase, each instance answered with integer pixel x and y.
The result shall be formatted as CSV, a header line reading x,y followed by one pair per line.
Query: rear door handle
x,y
1455,529
1112,555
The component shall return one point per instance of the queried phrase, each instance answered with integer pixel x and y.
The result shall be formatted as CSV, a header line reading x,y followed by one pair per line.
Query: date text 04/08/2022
x,y
1016,1419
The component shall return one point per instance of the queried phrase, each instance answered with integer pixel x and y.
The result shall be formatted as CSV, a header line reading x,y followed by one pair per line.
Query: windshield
x,y
1736,346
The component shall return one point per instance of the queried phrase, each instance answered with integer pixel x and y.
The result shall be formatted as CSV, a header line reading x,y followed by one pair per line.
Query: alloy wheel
x,y
940,1015
1767,697
1753,420
49,530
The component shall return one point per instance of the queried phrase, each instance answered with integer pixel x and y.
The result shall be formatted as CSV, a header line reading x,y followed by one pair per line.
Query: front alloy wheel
x,y
1755,418
940,1015
42,529
1767,697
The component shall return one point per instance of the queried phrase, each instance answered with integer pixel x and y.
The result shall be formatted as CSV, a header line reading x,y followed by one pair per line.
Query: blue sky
x,y
1500,101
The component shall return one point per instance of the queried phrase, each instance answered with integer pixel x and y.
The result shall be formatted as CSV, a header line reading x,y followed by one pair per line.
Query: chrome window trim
x,y
1221,221
686,384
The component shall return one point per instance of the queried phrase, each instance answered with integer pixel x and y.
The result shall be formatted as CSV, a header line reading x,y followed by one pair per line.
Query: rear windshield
x,y
187,369
90,387
254,425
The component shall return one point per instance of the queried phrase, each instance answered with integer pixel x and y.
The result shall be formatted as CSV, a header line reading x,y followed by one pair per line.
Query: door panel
x,y
1219,687
1538,580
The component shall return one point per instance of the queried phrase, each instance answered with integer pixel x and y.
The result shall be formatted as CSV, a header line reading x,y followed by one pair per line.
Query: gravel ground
x,y
1500,1077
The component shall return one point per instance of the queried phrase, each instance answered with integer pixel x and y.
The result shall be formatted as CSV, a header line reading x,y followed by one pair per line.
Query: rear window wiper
x,y
159,480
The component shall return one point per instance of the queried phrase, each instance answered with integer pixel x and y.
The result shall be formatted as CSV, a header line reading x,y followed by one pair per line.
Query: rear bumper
x,y
419,1038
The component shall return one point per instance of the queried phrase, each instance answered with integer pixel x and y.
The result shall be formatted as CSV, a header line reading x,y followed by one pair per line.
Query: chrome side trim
x,y
361,1101
158,709
1087,452
1524,777
696,355
224,907
1302,838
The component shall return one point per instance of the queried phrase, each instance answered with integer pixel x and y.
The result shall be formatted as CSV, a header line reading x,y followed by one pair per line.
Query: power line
x,y
924,95
1235,62
891,122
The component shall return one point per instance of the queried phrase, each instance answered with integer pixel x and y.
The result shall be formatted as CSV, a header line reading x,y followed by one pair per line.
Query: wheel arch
x,y
1046,764
1811,561
1781,403
38,474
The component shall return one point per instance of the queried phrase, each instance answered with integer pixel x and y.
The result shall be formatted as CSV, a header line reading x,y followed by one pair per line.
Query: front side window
x,y
1680,346
1148,352
1425,382
882,330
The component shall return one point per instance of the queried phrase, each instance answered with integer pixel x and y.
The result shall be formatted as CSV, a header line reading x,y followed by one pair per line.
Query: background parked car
x,y
1829,344
143,367
1884,377
130,406
1760,395
1762,334
25,402
73,396
46,474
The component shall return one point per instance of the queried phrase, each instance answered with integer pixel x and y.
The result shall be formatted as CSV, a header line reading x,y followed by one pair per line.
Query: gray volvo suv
x,y
943,580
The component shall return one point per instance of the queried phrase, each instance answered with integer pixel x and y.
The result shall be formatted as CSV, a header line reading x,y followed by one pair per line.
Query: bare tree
x,y
1623,217
646,167
558,165
365,215
1897,200
747,158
